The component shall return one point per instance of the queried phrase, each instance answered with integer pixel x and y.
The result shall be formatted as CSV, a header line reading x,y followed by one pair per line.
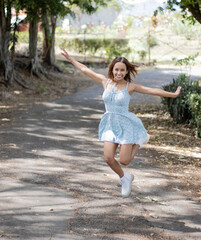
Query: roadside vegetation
x,y
161,39
172,146
33,70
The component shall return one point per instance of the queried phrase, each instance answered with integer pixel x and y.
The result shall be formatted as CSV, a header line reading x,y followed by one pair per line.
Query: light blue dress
x,y
118,125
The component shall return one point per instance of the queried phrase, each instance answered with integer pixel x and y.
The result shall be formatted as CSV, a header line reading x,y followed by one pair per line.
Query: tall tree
x,y
51,10
33,41
6,66
7,43
33,10
48,10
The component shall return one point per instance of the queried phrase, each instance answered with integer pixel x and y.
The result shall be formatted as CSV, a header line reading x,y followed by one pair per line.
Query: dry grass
x,y
173,147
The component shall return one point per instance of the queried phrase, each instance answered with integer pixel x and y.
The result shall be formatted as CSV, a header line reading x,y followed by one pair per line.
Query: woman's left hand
x,y
177,92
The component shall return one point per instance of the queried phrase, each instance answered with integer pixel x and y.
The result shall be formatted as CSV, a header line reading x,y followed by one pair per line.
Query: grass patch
x,y
175,143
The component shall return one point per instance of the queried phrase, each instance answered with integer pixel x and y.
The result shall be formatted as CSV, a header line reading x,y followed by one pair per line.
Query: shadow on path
x,y
55,183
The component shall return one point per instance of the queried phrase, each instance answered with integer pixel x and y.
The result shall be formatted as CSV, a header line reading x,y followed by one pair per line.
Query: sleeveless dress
x,y
118,125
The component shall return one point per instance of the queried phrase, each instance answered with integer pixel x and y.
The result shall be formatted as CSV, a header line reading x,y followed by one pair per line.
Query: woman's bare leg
x,y
134,150
128,152
109,154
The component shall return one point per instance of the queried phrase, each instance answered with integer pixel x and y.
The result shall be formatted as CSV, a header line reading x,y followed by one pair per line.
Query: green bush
x,y
153,41
111,46
194,100
115,47
142,54
179,107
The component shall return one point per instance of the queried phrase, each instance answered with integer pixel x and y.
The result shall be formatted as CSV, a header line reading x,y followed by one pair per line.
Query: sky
x,y
140,1
141,7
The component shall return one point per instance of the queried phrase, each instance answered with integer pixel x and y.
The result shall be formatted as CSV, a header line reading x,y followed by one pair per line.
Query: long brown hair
x,y
131,68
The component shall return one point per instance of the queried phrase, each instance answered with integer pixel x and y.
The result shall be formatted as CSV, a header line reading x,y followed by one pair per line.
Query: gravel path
x,y
56,185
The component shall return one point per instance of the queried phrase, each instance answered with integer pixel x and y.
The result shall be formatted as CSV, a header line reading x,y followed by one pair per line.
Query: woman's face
x,y
119,71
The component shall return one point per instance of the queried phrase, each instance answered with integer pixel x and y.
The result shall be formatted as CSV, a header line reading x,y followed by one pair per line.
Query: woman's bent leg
x,y
128,152
109,154
135,150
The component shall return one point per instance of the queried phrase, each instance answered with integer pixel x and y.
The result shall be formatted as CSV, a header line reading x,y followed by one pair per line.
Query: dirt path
x,y
56,185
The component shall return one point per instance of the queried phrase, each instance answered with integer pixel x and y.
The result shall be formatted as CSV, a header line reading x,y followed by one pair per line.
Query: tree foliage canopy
x,y
46,11
187,6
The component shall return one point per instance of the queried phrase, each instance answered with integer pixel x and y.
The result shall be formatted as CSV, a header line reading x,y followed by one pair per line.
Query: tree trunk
x,y
33,42
49,39
5,38
46,40
194,9
52,52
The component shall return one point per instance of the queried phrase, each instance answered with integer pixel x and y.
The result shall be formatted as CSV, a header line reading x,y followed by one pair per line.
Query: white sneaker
x,y
126,181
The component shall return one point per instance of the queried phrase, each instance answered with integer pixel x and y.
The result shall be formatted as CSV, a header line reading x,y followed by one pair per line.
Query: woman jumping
x,y
118,126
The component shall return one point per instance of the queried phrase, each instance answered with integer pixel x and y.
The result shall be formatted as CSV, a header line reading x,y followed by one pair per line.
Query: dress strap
x,y
113,87
127,85
107,83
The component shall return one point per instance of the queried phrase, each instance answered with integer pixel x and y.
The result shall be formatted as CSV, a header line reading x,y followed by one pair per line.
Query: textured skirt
x,y
122,129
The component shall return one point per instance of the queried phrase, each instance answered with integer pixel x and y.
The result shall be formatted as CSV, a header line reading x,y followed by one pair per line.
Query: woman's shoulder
x,y
131,84
131,87
105,82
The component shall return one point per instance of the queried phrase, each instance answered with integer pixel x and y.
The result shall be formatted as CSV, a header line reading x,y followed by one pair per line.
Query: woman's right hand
x,y
66,55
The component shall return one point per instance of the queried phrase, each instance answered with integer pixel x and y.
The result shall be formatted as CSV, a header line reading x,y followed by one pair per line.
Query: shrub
x,y
115,47
153,41
179,107
112,47
194,100
142,54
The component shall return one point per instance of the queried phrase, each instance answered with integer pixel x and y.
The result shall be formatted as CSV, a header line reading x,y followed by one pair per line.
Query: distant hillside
x,y
108,15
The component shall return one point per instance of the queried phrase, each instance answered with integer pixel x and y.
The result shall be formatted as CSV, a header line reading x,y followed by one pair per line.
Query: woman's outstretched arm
x,y
155,91
84,69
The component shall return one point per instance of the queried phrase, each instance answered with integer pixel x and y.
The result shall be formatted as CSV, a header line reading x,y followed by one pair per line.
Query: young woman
x,y
118,126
